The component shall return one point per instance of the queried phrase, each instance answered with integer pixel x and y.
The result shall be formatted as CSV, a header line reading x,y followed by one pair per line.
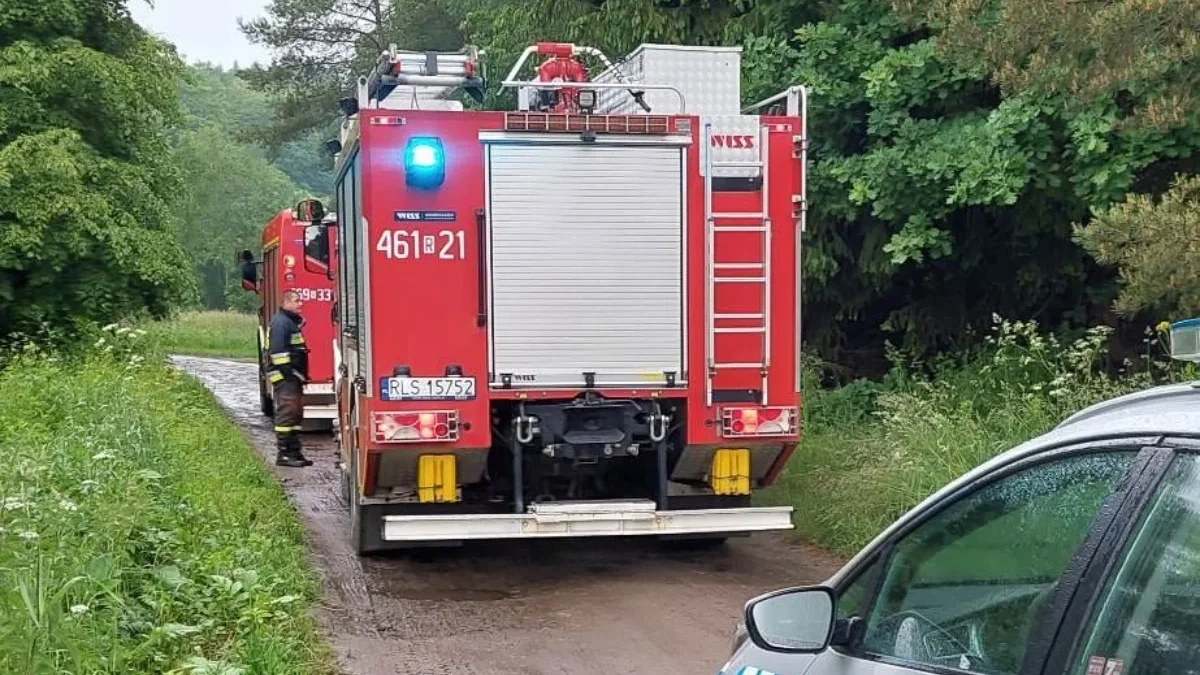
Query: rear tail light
x,y
742,422
416,427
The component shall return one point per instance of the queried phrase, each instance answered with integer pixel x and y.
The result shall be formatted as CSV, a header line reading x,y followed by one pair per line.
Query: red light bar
x,y
423,426
760,422
608,124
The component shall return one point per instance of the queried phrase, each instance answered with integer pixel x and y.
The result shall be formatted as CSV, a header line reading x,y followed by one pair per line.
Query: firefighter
x,y
288,372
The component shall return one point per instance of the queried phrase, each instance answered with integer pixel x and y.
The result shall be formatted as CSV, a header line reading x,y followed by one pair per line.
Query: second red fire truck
x,y
296,255
579,318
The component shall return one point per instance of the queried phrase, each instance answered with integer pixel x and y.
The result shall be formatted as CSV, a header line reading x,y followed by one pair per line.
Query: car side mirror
x,y
310,211
248,270
792,621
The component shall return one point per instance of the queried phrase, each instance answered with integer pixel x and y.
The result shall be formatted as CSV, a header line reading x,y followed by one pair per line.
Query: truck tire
x,y
366,520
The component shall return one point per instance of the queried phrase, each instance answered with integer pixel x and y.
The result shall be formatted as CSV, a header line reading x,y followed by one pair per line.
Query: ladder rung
x,y
755,366
739,280
737,316
737,214
749,228
736,165
737,266
756,329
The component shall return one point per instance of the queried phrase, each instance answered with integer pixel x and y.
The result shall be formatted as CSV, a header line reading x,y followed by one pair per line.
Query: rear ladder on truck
x,y
754,273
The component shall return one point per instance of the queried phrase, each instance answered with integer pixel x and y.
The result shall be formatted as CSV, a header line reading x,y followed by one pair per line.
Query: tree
x,y
1155,243
87,232
213,96
1129,73
322,46
232,191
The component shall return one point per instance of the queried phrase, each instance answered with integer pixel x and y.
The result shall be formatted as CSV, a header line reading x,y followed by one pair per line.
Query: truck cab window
x,y
316,243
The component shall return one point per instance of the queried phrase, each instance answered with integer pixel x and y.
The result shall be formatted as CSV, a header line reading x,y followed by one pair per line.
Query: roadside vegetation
x,y
208,333
874,449
138,531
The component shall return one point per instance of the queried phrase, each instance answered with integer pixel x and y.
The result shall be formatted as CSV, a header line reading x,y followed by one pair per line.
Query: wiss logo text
x,y
732,142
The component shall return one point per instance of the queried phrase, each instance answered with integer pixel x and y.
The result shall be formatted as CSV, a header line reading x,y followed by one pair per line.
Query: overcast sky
x,y
204,30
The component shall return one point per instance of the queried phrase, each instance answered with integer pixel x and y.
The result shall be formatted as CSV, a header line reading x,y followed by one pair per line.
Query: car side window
x,y
964,589
1148,621
850,599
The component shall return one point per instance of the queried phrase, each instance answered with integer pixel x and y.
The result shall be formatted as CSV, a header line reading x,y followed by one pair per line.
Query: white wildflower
x,y
123,330
79,609
27,535
12,503
110,327
99,343
139,332
102,455
67,505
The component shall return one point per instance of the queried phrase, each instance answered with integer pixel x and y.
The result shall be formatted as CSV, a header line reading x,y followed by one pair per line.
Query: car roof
x,y
1169,410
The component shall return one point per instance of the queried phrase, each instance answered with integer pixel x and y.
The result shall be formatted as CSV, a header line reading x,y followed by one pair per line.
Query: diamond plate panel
x,y
709,77
735,138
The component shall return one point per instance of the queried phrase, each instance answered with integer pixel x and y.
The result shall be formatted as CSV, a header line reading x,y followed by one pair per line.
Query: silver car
x,y
1076,553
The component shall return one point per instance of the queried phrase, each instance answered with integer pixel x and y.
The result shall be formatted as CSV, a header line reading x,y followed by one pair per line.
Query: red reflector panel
x,y
742,422
416,427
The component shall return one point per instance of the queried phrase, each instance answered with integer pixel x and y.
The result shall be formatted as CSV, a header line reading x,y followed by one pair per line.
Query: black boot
x,y
294,450
285,455
292,461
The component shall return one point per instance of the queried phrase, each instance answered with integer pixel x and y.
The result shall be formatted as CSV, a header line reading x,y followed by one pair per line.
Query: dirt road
x,y
529,608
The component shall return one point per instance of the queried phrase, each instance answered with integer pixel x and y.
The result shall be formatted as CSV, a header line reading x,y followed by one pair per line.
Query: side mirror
x,y
248,270
792,621
310,211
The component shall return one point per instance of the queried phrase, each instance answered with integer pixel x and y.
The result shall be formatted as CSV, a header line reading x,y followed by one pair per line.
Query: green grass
x,y
871,451
220,334
139,533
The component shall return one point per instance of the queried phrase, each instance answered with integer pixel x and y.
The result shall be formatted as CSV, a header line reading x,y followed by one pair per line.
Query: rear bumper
x,y
318,403
320,412
585,519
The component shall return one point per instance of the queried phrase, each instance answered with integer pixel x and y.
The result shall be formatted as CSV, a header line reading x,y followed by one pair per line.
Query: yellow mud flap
x,y
437,480
730,474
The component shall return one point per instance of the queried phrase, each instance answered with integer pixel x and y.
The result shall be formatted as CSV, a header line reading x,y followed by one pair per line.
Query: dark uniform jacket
x,y
287,351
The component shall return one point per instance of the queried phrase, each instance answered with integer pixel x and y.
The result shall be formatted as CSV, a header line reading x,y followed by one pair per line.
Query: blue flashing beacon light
x,y
424,162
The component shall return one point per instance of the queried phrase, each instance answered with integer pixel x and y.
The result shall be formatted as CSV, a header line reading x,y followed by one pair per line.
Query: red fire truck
x,y
579,318
296,256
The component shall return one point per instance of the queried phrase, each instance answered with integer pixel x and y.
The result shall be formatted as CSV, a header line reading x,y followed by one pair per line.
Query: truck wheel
x,y
366,520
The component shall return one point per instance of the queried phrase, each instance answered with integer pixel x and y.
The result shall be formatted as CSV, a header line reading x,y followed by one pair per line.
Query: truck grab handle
x,y
481,226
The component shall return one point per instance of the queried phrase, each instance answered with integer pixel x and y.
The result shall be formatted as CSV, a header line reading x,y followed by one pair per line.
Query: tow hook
x,y
527,427
658,424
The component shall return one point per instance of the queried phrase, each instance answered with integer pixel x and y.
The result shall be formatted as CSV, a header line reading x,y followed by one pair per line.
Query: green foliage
x,y
221,334
86,183
138,531
232,191
1122,76
214,96
931,422
1153,243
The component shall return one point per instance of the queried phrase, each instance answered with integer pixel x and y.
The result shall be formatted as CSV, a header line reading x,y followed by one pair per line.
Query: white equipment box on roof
x,y
709,78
